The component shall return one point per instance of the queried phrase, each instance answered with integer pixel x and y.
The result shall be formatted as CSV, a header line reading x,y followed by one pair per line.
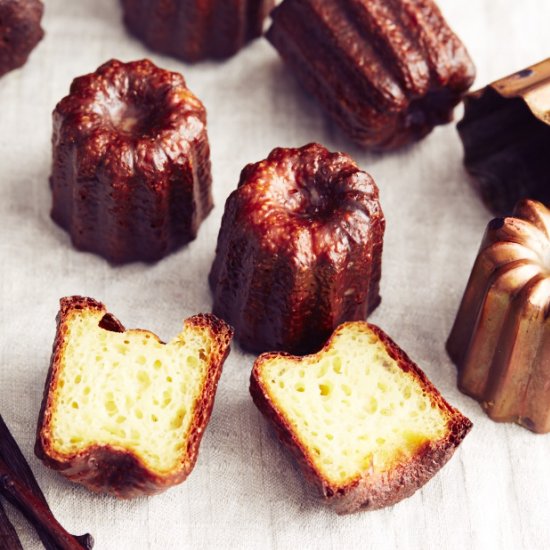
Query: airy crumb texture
x,y
362,419
127,392
127,389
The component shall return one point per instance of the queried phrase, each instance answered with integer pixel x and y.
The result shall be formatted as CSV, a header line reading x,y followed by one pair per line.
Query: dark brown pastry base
x,y
506,136
386,72
20,31
299,250
195,30
131,162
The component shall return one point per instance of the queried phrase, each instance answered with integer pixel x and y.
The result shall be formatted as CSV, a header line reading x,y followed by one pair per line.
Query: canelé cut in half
x,y
386,71
194,30
124,413
366,426
20,31
506,136
131,162
500,340
299,250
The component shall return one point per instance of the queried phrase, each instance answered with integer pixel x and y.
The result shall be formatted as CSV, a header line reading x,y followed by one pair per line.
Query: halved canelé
x,y
365,425
387,72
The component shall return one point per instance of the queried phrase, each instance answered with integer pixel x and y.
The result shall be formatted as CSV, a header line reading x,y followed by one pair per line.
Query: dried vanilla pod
x,y
8,536
131,177
19,486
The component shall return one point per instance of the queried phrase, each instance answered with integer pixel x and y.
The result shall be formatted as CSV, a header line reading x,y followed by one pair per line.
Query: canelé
x,y
386,71
299,250
20,31
131,162
124,413
194,30
364,423
506,136
500,341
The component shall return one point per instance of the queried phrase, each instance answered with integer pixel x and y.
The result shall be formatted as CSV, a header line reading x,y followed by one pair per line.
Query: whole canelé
x,y
20,31
500,340
506,137
386,71
131,162
194,30
299,250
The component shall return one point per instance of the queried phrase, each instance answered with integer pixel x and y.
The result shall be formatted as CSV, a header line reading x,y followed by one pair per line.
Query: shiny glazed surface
x,y
386,71
131,162
299,250
194,30
506,137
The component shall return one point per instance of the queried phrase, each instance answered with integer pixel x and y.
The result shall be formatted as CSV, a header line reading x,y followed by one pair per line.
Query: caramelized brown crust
x,y
387,71
103,468
131,162
299,250
500,340
20,31
368,492
506,136
195,30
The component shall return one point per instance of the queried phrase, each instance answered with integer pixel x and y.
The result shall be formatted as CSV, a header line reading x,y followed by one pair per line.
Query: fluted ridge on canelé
x,y
299,250
194,30
386,71
500,340
131,162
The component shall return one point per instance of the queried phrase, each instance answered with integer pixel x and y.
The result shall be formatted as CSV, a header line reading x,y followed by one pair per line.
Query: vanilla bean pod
x,y
8,536
36,512
17,467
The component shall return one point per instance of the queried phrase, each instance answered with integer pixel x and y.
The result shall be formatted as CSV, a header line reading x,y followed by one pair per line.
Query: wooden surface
x,y
244,492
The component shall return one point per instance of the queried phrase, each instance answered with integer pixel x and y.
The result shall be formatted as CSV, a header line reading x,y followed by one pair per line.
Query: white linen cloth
x,y
244,492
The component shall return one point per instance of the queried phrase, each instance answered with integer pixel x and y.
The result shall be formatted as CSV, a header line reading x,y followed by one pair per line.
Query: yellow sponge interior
x,y
128,390
352,407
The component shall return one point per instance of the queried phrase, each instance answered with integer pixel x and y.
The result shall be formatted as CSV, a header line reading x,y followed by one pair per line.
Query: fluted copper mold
x,y
299,250
131,162
501,337
20,31
506,136
386,71
194,30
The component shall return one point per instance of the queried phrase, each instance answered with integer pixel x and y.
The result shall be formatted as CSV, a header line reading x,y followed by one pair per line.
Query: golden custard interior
x,y
352,406
128,390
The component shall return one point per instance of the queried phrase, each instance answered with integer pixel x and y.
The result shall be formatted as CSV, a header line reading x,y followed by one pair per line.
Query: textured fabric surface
x,y
244,492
